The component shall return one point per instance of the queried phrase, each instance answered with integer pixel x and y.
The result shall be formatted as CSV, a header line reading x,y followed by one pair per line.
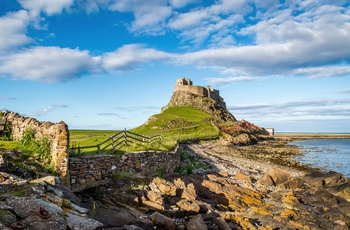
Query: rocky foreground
x,y
249,187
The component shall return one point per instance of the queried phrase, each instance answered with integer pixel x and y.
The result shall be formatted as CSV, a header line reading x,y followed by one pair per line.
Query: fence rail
x,y
116,142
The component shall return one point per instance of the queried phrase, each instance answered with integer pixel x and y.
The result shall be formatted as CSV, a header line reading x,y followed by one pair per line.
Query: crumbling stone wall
x,y
86,172
57,134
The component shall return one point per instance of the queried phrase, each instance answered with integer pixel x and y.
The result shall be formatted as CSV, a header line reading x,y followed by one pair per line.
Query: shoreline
x,y
304,136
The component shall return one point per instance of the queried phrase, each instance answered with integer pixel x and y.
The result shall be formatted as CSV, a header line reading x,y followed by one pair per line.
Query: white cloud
x,y
294,110
190,19
323,71
109,114
150,16
129,57
48,64
225,81
13,27
204,23
47,6
48,109
344,91
181,3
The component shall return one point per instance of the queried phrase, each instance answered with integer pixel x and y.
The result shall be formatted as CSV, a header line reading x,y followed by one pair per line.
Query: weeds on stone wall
x,y
189,163
39,148
7,132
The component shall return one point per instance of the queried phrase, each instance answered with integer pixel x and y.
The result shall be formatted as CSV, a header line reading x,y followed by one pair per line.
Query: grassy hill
x,y
180,123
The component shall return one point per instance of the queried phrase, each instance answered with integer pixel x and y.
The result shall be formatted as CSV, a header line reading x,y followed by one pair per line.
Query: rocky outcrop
x,y
233,193
220,201
41,204
208,105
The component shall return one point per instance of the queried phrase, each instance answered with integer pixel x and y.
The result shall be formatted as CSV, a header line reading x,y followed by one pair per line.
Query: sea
x,y
325,154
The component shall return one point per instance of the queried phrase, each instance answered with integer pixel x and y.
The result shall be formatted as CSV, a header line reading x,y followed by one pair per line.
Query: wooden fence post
x,y
125,140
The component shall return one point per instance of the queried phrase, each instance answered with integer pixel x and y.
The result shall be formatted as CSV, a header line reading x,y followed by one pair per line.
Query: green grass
x,y
180,123
176,124
84,137
10,145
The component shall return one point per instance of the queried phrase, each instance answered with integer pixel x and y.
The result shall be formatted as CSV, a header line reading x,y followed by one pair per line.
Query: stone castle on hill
x,y
185,85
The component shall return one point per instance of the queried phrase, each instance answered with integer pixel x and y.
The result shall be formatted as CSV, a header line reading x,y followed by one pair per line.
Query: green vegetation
x,y
123,176
39,148
33,152
89,137
181,123
176,124
6,134
189,162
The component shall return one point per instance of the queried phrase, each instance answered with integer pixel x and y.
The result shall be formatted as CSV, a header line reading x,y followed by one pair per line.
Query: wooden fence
x,y
115,142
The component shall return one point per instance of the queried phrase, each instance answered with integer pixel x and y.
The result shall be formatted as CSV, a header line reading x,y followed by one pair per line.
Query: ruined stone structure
x,y
185,85
56,133
86,172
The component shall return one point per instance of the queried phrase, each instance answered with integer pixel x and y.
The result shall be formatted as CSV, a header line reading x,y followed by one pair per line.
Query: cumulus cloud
x,y
283,39
48,64
47,6
181,3
129,57
149,16
13,27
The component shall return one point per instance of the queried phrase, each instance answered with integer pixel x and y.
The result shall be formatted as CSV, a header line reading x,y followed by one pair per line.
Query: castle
x,y
185,85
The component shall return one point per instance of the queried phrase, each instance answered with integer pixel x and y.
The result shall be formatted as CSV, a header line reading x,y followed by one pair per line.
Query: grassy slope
x,y
181,123
89,137
175,124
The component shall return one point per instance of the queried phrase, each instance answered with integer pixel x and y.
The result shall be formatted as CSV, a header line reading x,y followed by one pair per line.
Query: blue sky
x,y
110,64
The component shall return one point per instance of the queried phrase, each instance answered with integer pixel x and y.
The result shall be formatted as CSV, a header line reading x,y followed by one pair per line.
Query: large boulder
x,y
196,222
163,221
319,178
274,176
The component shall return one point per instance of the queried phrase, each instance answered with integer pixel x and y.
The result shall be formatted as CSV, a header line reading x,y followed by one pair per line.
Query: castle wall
x,y
198,90
57,135
185,85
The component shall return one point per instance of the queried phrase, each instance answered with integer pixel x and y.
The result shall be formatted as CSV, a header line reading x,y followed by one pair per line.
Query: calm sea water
x,y
327,154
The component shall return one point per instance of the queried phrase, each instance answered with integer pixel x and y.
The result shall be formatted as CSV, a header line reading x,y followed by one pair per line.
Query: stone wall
x,y
86,172
56,133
